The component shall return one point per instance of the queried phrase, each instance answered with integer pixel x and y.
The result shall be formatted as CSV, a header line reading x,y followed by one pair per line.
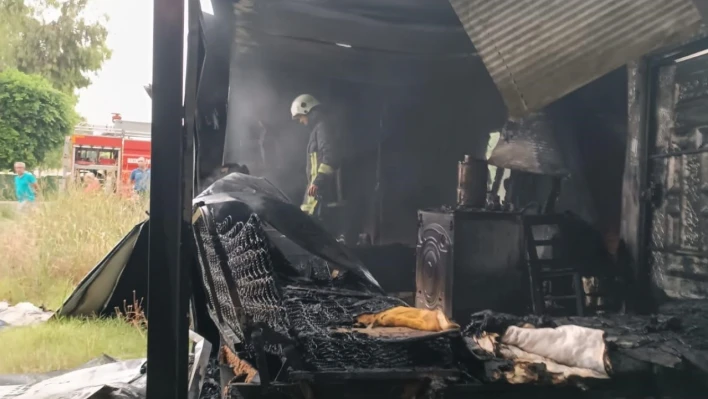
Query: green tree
x,y
53,159
34,118
54,39
12,16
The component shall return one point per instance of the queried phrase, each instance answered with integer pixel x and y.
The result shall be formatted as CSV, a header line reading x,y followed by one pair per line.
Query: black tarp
x,y
118,277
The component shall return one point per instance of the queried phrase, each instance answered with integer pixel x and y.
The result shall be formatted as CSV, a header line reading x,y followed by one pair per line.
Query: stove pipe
x,y
472,177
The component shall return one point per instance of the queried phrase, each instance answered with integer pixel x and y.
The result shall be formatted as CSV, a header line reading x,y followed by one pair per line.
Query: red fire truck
x,y
109,153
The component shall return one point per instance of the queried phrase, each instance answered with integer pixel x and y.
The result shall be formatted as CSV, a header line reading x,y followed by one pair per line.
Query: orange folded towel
x,y
402,316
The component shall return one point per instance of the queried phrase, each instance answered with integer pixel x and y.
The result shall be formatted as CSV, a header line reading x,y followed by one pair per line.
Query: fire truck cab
x,y
109,153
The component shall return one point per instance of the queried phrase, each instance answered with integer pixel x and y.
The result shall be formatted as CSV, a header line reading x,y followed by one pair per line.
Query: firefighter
x,y
323,155
91,183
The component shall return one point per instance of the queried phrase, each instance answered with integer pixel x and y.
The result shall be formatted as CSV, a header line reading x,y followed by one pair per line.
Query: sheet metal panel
x,y
539,50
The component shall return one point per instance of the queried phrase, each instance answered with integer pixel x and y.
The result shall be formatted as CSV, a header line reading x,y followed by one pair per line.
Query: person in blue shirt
x,y
26,186
140,177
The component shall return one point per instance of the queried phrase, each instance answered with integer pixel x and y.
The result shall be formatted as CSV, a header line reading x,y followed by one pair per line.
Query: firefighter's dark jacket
x,y
324,154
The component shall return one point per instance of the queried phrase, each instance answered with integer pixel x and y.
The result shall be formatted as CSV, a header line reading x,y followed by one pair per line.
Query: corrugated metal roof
x,y
539,50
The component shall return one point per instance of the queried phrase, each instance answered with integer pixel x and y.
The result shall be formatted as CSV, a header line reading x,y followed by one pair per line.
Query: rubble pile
x,y
583,351
211,388
312,304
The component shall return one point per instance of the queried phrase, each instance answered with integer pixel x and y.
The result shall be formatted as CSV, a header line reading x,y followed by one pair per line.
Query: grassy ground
x,y
64,344
7,211
45,252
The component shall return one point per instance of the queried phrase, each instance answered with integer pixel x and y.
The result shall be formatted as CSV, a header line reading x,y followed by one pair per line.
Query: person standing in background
x,y
26,186
323,155
140,177
91,183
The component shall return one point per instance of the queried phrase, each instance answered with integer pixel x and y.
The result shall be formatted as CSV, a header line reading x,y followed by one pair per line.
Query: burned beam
x,y
633,178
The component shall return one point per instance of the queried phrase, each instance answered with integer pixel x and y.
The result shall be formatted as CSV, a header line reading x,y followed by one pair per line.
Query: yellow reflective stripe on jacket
x,y
313,166
309,206
310,203
325,169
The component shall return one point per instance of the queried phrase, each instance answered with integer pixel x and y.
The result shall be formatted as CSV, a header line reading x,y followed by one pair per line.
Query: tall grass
x,y
49,248
44,252
67,343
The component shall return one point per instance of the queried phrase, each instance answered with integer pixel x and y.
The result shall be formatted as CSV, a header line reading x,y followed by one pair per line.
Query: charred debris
x,y
299,315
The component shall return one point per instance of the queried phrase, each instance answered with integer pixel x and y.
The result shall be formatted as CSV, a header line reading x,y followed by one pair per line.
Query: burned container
x,y
472,175
469,260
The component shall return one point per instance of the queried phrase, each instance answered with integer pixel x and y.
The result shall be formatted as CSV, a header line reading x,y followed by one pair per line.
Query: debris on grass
x,y
22,314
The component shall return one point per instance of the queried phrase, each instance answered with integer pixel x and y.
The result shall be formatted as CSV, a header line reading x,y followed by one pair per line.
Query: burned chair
x,y
567,270
285,295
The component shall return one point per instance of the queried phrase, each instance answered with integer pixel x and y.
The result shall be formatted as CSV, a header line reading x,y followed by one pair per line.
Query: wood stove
x,y
469,260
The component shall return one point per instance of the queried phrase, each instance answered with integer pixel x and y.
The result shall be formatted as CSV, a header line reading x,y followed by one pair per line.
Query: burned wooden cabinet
x,y
470,260
677,190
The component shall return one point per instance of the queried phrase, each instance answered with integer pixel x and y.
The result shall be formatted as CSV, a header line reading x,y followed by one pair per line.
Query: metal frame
x,y
171,198
87,129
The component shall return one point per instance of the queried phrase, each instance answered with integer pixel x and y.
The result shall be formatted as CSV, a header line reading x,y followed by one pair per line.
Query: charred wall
x,y
585,132
427,135
593,124
420,131
213,91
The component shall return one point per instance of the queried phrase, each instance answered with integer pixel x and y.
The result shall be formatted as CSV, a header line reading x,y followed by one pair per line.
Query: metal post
x,y
170,201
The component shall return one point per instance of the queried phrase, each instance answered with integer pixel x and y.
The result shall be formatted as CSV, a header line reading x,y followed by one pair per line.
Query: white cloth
x,y
567,351
569,345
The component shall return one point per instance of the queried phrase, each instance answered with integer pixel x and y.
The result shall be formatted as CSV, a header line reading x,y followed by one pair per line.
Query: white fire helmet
x,y
303,104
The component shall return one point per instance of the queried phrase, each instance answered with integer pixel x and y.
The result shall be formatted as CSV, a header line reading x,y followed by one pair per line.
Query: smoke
x,y
406,118
260,132
418,166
